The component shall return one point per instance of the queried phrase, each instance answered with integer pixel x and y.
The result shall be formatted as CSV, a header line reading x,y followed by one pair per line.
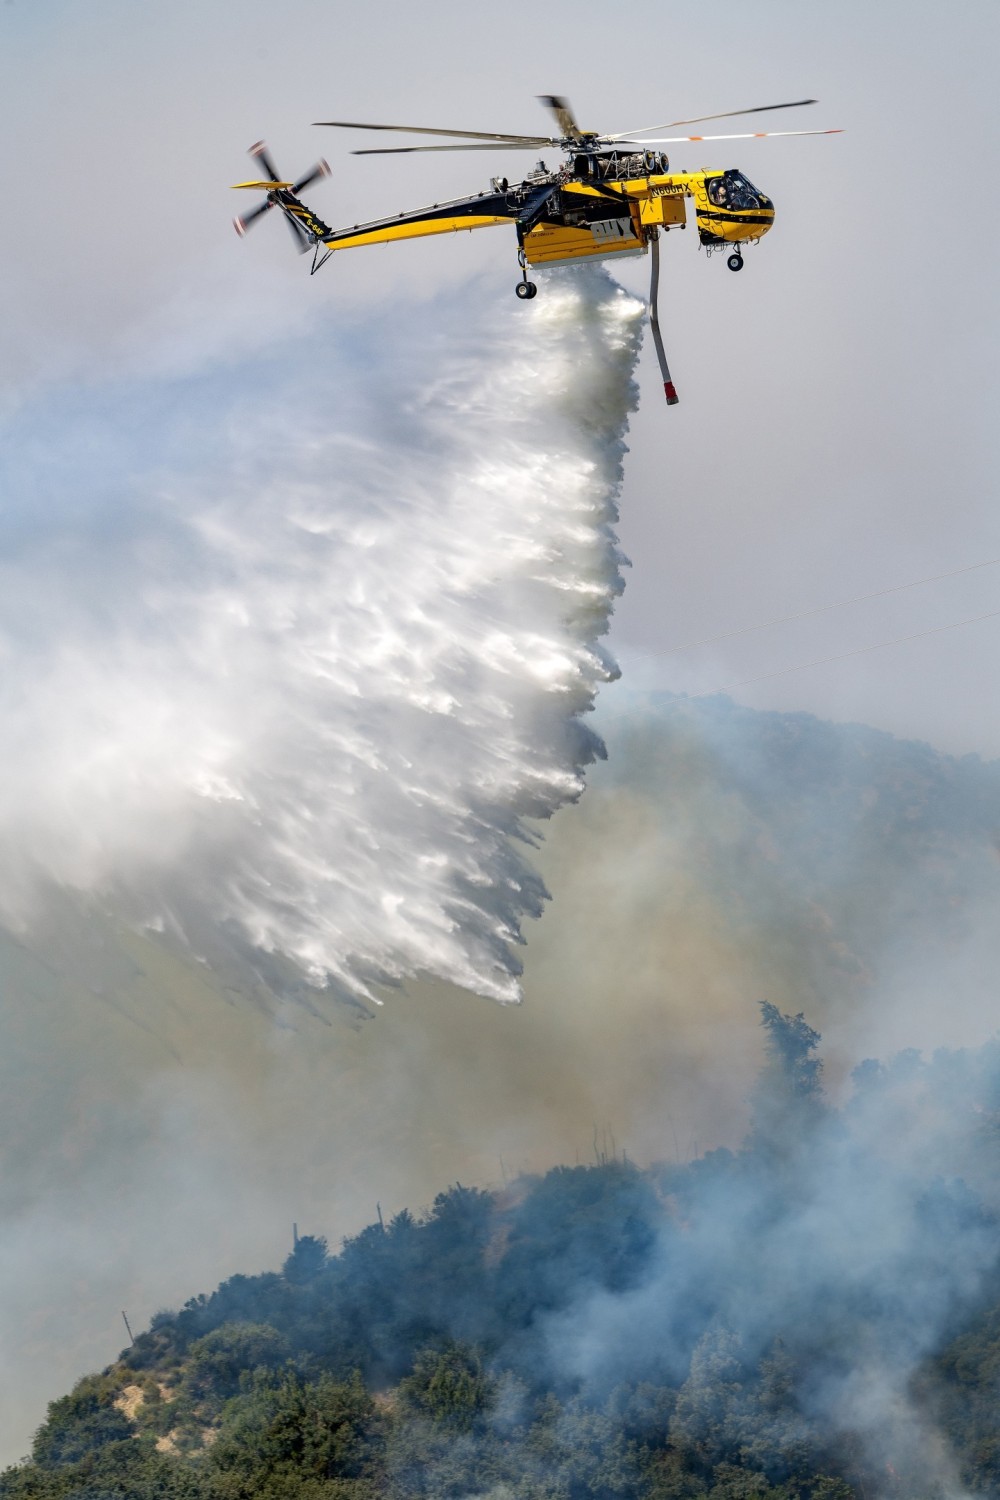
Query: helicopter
x,y
610,198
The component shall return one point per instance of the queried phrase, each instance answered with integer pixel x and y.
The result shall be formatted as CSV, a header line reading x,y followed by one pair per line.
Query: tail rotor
x,y
280,194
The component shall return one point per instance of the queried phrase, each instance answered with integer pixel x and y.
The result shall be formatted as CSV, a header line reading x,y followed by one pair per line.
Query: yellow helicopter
x,y
611,197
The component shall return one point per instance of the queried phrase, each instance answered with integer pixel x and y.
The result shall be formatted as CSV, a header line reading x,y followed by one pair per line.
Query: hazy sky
x,y
833,437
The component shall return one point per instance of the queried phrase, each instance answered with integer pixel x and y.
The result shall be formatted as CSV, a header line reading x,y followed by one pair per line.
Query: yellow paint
x,y
649,203
736,227
661,201
415,230
548,243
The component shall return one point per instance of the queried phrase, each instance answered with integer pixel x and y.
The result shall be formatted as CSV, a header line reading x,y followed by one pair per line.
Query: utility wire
x,y
728,635
823,661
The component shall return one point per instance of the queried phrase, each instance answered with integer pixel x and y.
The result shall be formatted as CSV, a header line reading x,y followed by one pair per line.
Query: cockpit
x,y
733,190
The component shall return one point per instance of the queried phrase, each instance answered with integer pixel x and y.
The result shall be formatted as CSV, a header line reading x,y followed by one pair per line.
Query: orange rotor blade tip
x,y
240,227
670,393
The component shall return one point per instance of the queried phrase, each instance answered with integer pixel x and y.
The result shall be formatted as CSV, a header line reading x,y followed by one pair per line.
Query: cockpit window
x,y
732,190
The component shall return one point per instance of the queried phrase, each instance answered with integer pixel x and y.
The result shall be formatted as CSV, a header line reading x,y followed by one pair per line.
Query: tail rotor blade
x,y
260,151
321,169
302,241
242,224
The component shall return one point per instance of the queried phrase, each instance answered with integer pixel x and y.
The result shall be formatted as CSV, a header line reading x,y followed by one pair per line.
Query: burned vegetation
x,y
815,1316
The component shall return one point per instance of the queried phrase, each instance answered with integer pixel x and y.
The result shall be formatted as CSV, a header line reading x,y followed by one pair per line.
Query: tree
x,y
449,1386
293,1430
707,1422
79,1423
218,1360
788,1099
306,1261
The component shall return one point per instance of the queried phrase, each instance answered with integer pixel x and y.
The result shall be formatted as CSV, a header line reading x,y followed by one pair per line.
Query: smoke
x,y
809,1279
292,650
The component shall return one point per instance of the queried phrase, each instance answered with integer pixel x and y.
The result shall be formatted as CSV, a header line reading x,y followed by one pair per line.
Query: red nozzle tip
x,y
670,393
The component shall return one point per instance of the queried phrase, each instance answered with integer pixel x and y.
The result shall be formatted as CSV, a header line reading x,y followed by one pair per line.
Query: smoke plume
x,y
293,650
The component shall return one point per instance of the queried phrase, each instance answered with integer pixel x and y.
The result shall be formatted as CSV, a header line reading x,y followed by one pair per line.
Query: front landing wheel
x,y
526,290
735,262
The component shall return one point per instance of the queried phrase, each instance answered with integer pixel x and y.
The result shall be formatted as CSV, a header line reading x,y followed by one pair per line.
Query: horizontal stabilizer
x,y
262,187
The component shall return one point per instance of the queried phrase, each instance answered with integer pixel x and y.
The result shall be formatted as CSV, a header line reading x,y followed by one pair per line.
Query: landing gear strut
x,y
525,289
735,261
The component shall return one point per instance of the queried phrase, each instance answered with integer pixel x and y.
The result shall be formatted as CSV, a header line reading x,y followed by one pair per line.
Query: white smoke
x,y
292,650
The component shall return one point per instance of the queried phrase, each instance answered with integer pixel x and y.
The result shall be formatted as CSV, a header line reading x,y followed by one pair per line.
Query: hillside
x,y
814,1315
836,857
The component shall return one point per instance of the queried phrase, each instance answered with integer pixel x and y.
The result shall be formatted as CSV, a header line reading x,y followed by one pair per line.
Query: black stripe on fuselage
x,y
736,217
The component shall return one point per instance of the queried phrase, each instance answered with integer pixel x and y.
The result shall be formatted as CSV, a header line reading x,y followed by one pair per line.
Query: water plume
x,y
294,649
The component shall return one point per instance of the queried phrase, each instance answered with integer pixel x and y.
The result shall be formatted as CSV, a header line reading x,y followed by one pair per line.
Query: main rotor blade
x,y
700,119
560,107
242,224
520,145
469,135
321,169
752,135
260,151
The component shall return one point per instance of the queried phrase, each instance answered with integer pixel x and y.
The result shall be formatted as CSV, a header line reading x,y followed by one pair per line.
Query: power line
x,y
843,655
807,614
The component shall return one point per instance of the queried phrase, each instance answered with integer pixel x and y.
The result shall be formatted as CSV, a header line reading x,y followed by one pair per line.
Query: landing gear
x,y
525,289
735,262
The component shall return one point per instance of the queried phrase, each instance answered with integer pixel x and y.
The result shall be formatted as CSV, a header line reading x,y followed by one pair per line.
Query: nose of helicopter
x,y
764,216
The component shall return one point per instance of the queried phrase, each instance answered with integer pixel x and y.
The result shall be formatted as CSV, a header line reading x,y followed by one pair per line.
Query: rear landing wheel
x,y
526,290
735,262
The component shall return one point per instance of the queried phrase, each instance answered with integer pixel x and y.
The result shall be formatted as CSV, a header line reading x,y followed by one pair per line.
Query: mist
x,y
293,649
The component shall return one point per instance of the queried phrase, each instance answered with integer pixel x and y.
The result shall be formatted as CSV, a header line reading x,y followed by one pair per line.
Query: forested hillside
x,y
814,1315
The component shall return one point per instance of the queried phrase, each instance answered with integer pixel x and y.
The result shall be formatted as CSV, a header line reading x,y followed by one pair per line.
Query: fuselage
x,y
598,206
